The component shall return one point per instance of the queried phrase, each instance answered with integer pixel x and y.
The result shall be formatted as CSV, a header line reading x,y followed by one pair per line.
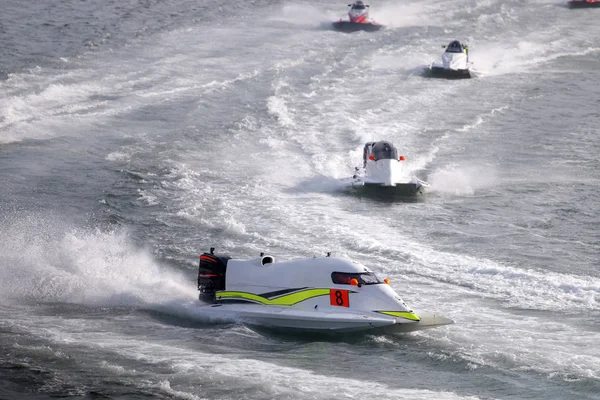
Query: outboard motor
x,y
211,275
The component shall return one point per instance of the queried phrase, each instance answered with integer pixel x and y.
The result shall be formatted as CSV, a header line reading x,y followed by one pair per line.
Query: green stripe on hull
x,y
285,300
402,314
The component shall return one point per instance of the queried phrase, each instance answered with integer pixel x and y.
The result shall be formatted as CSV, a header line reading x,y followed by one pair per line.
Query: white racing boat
x,y
319,294
383,173
455,63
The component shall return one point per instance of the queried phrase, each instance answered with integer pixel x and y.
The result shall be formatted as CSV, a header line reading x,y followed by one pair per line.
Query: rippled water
x,y
135,135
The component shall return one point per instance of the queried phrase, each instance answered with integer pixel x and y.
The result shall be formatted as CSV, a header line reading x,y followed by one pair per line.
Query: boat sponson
x,y
427,321
439,72
349,27
323,322
399,190
583,4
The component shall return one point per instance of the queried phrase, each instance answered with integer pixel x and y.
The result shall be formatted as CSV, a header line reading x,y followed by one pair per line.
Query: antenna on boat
x,y
328,254
212,250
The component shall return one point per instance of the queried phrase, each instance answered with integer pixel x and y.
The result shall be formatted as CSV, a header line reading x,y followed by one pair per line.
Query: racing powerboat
x,y
383,174
358,19
319,295
455,63
583,3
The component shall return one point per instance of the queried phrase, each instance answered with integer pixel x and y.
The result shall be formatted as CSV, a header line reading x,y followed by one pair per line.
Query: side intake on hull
x,y
455,63
319,294
358,19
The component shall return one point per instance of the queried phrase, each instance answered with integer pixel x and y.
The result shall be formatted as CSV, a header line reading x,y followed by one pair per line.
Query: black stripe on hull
x,y
277,293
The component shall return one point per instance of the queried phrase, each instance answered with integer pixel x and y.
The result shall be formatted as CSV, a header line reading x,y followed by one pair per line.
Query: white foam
x,y
526,54
512,286
165,387
532,344
115,369
118,156
277,107
147,198
462,180
303,15
47,260
405,14
227,371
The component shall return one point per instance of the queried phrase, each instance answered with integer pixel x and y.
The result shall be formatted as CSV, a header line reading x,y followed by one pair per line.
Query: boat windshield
x,y
358,7
384,151
363,278
454,47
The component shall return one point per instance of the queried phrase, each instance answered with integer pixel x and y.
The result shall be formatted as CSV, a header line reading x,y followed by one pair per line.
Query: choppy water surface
x,y
135,135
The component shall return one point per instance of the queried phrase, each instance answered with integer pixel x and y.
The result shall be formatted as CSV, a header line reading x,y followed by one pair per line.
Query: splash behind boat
x,y
583,3
455,63
382,174
319,295
358,19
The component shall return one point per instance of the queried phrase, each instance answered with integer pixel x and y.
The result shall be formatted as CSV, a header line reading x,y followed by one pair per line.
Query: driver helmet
x,y
358,4
455,45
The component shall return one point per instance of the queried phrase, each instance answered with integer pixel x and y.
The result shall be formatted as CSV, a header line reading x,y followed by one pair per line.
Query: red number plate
x,y
339,298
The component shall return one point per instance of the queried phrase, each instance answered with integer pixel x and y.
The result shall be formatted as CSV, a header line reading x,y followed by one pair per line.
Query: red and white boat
x,y
358,19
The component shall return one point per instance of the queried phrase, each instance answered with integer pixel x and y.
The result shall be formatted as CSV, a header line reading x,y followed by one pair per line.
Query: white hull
x,y
439,66
302,320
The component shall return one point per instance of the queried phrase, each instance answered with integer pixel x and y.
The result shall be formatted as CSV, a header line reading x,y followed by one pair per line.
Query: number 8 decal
x,y
339,298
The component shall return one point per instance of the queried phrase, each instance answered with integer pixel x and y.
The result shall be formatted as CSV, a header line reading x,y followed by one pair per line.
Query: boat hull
x,y
400,190
583,4
293,320
349,27
447,73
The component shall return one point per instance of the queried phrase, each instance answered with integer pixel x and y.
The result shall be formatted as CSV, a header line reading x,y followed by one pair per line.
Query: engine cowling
x,y
211,275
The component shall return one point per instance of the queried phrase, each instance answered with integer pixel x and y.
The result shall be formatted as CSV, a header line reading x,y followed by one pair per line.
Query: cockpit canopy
x,y
362,278
454,47
358,5
384,150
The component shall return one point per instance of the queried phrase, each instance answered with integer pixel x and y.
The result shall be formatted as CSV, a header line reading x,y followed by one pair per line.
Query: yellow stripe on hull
x,y
285,300
402,314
